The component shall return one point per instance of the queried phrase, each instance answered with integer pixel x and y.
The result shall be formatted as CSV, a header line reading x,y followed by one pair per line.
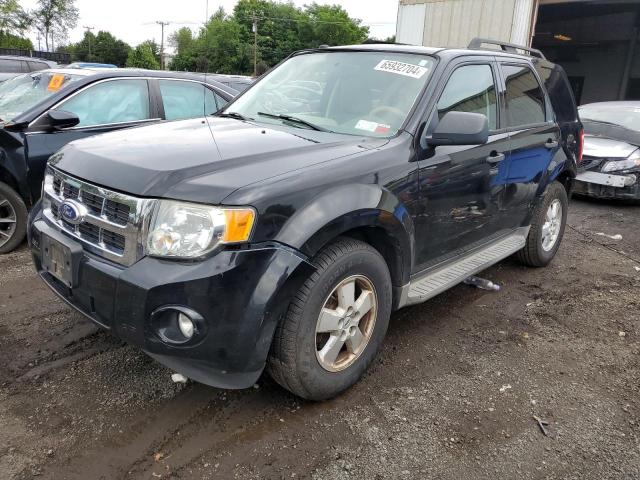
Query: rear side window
x,y
183,100
525,100
12,66
36,66
471,88
114,101
560,93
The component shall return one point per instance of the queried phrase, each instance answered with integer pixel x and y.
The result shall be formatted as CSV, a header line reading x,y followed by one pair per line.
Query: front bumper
x,y
241,294
631,192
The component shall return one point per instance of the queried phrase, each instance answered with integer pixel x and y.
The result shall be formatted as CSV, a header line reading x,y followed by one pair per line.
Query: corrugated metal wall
x,y
411,22
453,23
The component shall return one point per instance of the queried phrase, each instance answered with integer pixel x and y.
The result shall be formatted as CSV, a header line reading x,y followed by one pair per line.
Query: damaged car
x,y
611,160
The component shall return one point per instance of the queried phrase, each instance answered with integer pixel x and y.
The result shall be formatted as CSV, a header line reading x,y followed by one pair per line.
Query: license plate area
x,y
57,259
602,179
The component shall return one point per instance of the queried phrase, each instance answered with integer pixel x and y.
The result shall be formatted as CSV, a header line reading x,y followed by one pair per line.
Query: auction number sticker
x,y
400,68
373,127
55,83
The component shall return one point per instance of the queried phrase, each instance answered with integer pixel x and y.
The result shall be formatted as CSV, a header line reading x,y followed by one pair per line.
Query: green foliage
x,y
143,57
226,44
8,40
100,48
13,19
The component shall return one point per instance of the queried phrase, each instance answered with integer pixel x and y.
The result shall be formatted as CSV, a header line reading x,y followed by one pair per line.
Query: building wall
x,y
454,23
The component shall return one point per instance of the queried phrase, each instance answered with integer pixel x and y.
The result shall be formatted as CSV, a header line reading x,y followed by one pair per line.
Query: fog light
x,y
185,325
178,325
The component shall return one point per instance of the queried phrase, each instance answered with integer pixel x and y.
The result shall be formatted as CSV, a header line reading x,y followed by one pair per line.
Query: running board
x,y
444,277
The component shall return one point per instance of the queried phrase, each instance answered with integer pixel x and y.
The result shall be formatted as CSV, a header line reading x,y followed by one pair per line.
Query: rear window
x,y
525,99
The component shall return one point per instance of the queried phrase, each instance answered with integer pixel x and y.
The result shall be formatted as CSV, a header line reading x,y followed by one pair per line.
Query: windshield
x,y
356,93
627,117
19,94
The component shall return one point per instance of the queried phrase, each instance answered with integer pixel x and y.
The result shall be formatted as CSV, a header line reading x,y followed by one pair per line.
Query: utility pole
x,y
88,30
255,44
162,25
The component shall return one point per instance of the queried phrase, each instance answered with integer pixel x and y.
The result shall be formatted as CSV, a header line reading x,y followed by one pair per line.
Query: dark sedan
x,y
611,160
43,111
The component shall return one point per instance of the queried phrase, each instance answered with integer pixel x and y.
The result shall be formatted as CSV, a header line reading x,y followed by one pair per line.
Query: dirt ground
x,y
452,395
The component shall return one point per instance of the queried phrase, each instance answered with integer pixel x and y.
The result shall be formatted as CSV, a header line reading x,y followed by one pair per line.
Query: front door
x,y
101,107
462,187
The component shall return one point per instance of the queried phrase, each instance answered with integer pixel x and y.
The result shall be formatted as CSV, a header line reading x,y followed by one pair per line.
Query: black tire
x,y
11,205
292,361
533,254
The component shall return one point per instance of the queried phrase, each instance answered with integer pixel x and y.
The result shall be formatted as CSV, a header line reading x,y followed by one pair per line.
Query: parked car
x,y
281,233
91,65
45,110
237,82
12,66
611,162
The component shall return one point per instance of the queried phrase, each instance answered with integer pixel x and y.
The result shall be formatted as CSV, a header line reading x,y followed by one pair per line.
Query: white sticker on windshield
x,y
366,125
400,68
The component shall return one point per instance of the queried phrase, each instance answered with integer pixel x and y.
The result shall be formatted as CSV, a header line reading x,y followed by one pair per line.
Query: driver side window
x,y
471,88
114,101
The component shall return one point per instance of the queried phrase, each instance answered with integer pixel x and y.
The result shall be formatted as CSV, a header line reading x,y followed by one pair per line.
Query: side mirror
x,y
59,119
460,128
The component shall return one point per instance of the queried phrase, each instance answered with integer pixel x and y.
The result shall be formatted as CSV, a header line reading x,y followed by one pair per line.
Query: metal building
x,y
594,40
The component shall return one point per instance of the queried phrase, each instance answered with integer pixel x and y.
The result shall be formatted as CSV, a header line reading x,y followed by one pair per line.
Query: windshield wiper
x,y
292,119
235,115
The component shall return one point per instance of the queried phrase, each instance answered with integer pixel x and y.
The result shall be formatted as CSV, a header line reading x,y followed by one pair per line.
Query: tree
x,y
142,57
101,48
13,19
54,18
8,40
226,43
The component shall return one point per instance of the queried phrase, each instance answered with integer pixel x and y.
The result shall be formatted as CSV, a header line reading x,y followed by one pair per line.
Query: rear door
x,y
461,187
534,140
183,99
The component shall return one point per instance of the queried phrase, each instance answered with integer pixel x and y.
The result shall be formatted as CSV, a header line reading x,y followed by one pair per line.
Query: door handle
x,y
551,144
495,157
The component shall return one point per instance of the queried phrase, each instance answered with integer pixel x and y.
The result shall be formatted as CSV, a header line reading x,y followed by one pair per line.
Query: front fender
x,y
347,207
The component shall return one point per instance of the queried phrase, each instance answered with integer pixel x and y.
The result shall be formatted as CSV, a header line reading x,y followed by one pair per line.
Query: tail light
x,y
580,145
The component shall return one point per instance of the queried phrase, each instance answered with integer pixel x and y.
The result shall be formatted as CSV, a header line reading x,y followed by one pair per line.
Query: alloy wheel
x,y
346,323
8,220
552,225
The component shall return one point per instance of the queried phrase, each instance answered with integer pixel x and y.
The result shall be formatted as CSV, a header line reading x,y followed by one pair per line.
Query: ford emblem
x,y
72,212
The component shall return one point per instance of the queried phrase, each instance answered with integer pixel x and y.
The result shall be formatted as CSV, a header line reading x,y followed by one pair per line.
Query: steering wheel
x,y
386,111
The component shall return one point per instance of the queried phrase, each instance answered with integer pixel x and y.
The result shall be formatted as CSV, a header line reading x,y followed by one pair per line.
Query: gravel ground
x,y
452,395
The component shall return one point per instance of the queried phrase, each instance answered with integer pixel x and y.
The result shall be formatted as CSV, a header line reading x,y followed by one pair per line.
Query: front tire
x,y
547,228
13,219
335,324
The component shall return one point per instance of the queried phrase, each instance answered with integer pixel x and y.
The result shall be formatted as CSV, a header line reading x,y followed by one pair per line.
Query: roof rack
x,y
476,44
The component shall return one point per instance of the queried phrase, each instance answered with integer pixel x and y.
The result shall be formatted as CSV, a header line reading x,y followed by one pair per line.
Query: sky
x,y
134,20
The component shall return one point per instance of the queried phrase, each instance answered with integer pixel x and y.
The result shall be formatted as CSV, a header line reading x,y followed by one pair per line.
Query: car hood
x,y
200,160
602,147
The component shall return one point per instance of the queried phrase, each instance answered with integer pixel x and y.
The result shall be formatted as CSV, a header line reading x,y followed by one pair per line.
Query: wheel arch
x,y
368,213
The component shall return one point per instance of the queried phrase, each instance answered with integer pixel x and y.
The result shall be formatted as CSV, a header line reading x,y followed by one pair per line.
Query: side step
x,y
446,276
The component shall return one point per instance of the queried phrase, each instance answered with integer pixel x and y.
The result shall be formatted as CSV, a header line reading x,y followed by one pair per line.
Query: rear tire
x,y
13,219
547,228
335,324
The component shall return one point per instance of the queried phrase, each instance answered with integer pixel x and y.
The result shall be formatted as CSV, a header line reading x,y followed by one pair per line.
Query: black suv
x,y
283,231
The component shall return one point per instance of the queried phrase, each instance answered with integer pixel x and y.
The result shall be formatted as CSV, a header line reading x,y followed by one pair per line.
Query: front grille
x,y
113,224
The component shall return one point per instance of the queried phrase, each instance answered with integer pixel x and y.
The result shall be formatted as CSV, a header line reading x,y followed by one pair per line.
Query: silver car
x,y
611,157
12,66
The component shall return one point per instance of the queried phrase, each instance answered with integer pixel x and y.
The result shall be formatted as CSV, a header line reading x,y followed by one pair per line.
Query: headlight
x,y
188,230
628,163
